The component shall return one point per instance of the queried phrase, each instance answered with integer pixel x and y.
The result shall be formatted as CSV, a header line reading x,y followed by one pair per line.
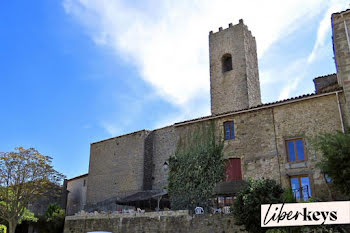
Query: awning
x,y
230,187
142,196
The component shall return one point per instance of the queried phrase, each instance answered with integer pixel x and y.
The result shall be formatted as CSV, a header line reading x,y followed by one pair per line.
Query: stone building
x,y
268,140
76,194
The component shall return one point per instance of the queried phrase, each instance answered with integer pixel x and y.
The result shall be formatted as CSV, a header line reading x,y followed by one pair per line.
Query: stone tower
x,y
234,74
341,47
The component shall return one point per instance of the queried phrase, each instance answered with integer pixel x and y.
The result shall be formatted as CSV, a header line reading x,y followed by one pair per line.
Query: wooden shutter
x,y
233,169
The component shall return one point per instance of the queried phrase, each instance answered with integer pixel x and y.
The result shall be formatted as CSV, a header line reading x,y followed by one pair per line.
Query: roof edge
x,y
78,177
264,106
142,130
324,76
342,12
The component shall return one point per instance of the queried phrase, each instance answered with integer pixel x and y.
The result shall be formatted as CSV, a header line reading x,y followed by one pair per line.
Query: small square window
x,y
229,130
295,150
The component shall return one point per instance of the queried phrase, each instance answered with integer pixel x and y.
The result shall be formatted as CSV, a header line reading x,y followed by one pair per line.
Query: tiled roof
x,y
78,177
341,11
262,105
142,130
325,76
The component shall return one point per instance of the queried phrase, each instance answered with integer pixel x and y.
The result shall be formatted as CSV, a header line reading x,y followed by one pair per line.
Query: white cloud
x,y
112,129
299,68
293,74
167,41
324,27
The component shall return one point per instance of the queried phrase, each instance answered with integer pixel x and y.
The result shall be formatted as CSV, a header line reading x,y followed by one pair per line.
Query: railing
x,y
302,193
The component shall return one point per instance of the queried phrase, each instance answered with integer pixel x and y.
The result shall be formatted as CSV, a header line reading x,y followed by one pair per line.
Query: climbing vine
x,y
196,167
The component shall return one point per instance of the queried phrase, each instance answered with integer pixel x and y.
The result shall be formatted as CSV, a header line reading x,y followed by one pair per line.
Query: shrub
x,y
195,169
52,221
247,205
336,158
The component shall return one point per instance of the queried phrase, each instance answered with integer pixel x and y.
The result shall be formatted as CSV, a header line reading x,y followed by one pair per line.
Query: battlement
x,y
230,25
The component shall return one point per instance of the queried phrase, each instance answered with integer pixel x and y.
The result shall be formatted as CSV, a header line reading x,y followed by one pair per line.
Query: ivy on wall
x,y
196,167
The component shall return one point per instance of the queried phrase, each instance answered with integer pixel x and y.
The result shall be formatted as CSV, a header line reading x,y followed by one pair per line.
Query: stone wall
x,y
164,144
324,82
148,162
116,167
76,198
253,83
171,222
260,138
305,120
253,143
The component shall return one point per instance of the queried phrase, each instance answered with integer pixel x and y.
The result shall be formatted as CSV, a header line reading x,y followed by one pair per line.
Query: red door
x,y
233,169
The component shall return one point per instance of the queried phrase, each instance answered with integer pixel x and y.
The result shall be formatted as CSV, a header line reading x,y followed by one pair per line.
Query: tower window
x,y
226,63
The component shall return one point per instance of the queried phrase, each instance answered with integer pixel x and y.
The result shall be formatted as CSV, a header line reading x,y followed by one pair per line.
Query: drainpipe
x,y
340,114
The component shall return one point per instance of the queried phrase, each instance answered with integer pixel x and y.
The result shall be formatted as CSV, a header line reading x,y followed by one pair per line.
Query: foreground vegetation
x,y
25,176
335,162
195,169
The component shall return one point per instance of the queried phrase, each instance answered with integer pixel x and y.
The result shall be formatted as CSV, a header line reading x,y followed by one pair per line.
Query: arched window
x,y
226,62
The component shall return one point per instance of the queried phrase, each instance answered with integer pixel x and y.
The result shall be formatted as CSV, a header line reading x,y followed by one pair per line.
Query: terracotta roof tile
x,y
262,105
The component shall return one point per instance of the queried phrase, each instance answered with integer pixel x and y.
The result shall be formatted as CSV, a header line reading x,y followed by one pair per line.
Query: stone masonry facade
x,y
170,222
76,197
124,165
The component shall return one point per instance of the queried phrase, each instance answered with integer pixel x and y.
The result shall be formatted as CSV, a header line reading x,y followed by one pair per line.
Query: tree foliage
x,y
25,175
336,158
196,167
52,221
247,205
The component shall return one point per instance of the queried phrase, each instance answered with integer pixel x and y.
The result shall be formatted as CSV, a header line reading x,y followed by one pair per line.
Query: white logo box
x,y
302,214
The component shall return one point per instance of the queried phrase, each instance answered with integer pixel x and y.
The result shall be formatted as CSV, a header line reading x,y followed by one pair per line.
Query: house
x,y
269,140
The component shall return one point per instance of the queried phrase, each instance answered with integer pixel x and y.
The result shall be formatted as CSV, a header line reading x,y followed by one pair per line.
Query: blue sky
x,y
74,72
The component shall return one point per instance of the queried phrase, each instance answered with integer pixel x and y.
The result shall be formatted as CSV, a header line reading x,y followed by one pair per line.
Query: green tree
x,y
52,221
55,217
247,205
25,175
335,161
26,216
195,169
